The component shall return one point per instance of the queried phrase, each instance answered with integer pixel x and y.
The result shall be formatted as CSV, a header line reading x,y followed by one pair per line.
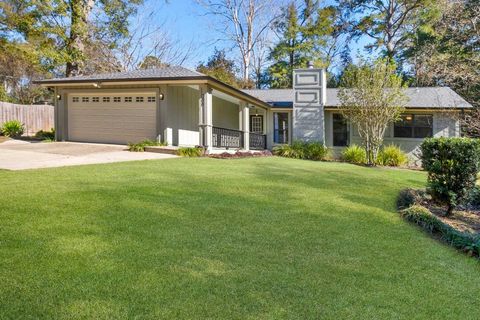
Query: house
x,y
186,108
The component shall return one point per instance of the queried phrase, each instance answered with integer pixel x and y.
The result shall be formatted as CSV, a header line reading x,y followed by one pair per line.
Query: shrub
x,y
140,146
452,165
13,129
408,197
46,135
190,152
354,154
392,156
302,150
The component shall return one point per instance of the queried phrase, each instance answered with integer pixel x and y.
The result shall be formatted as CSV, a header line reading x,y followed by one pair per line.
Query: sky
x,y
188,26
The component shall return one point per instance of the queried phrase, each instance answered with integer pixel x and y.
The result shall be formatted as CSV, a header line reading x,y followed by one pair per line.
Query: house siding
x,y
444,125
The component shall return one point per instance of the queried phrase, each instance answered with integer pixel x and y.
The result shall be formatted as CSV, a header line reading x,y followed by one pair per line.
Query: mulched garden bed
x,y
461,229
241,154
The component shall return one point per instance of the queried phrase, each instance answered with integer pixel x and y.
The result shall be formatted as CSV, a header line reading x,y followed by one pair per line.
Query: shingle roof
x,y
431,97
163,73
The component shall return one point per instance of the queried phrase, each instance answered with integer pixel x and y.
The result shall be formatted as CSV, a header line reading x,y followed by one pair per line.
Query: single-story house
x,y
186,108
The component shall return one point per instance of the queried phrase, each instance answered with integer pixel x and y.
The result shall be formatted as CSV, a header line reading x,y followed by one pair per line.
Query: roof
x,y
173,72
422,98
169,73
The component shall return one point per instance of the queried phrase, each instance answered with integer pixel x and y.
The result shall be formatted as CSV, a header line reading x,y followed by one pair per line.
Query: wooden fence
x,y
34,117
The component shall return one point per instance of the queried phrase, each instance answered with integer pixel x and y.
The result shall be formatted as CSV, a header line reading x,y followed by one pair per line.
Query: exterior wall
x,y
444,125
309,86
225,114
178,112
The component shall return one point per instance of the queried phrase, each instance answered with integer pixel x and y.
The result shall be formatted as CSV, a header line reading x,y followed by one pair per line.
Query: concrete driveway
x,y
21,155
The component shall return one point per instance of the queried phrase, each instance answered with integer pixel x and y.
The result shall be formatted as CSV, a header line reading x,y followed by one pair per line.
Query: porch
x,y
201,116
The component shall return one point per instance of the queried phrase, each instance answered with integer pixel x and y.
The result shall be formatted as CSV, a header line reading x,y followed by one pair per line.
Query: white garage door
x,y
112,118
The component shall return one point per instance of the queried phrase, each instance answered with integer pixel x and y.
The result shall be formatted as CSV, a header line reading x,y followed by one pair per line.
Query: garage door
x,y
112,118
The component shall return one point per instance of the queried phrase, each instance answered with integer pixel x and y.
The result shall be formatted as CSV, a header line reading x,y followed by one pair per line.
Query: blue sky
x,y
186,24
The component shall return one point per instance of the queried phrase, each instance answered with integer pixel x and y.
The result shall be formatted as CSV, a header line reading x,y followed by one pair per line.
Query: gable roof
x,y
169,74
173,72
422,98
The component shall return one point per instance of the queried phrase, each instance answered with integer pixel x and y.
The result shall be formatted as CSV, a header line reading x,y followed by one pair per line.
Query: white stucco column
x,y
245,124
205,117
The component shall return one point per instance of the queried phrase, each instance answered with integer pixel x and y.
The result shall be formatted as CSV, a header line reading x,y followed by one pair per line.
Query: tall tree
x,y
311,33
387,22
61,29
447,53
243,22
221,68
371,97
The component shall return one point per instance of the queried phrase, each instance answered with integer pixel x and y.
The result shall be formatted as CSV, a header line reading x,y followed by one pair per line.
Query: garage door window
x,y
139,99
151,99
75,99
128,99
106,99
116,99
95,99
85,99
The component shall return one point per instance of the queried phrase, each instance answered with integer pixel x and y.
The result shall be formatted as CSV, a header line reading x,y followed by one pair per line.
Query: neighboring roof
x,y
422,98
174,72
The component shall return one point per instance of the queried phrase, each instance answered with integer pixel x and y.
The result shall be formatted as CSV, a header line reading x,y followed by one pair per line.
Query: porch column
x,y
205,117
245,122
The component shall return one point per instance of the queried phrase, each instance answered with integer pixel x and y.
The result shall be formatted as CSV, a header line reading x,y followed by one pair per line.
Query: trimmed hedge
x,y
460,240
452,165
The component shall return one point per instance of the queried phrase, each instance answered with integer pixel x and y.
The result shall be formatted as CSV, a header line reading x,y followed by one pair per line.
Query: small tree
x,y
371,97
452,165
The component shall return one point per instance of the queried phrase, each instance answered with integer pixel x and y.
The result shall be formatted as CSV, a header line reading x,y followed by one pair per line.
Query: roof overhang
x,y
205,80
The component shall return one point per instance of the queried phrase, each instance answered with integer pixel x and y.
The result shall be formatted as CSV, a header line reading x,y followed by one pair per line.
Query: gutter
x,y
239,94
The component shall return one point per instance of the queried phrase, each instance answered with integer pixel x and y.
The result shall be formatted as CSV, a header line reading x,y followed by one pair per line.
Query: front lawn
x,y
264,238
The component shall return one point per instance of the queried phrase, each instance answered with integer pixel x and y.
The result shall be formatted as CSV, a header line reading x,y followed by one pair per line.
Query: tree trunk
x,y
80,9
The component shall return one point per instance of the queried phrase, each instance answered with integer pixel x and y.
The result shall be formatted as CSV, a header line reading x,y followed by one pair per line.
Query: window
x,y
85,99
116,99
128,99
75,99
256,124
138,99
106,99
280,127
95,99
414,126
340,131
151,99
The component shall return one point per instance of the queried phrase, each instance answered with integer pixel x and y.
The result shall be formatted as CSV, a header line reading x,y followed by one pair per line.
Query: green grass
x,y
258,238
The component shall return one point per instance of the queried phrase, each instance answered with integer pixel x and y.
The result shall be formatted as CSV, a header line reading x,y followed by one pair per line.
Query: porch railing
x,y
227,138
258,141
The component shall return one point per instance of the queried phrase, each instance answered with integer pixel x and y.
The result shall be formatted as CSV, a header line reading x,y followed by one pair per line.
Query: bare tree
x,y
243,22
151,40
372,97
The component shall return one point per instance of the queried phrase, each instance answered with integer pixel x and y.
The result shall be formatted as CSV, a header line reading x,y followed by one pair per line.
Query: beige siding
x,y
225,114
181,110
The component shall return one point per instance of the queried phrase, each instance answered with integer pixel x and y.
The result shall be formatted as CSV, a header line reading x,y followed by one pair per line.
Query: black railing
x,y
258,141
227,138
